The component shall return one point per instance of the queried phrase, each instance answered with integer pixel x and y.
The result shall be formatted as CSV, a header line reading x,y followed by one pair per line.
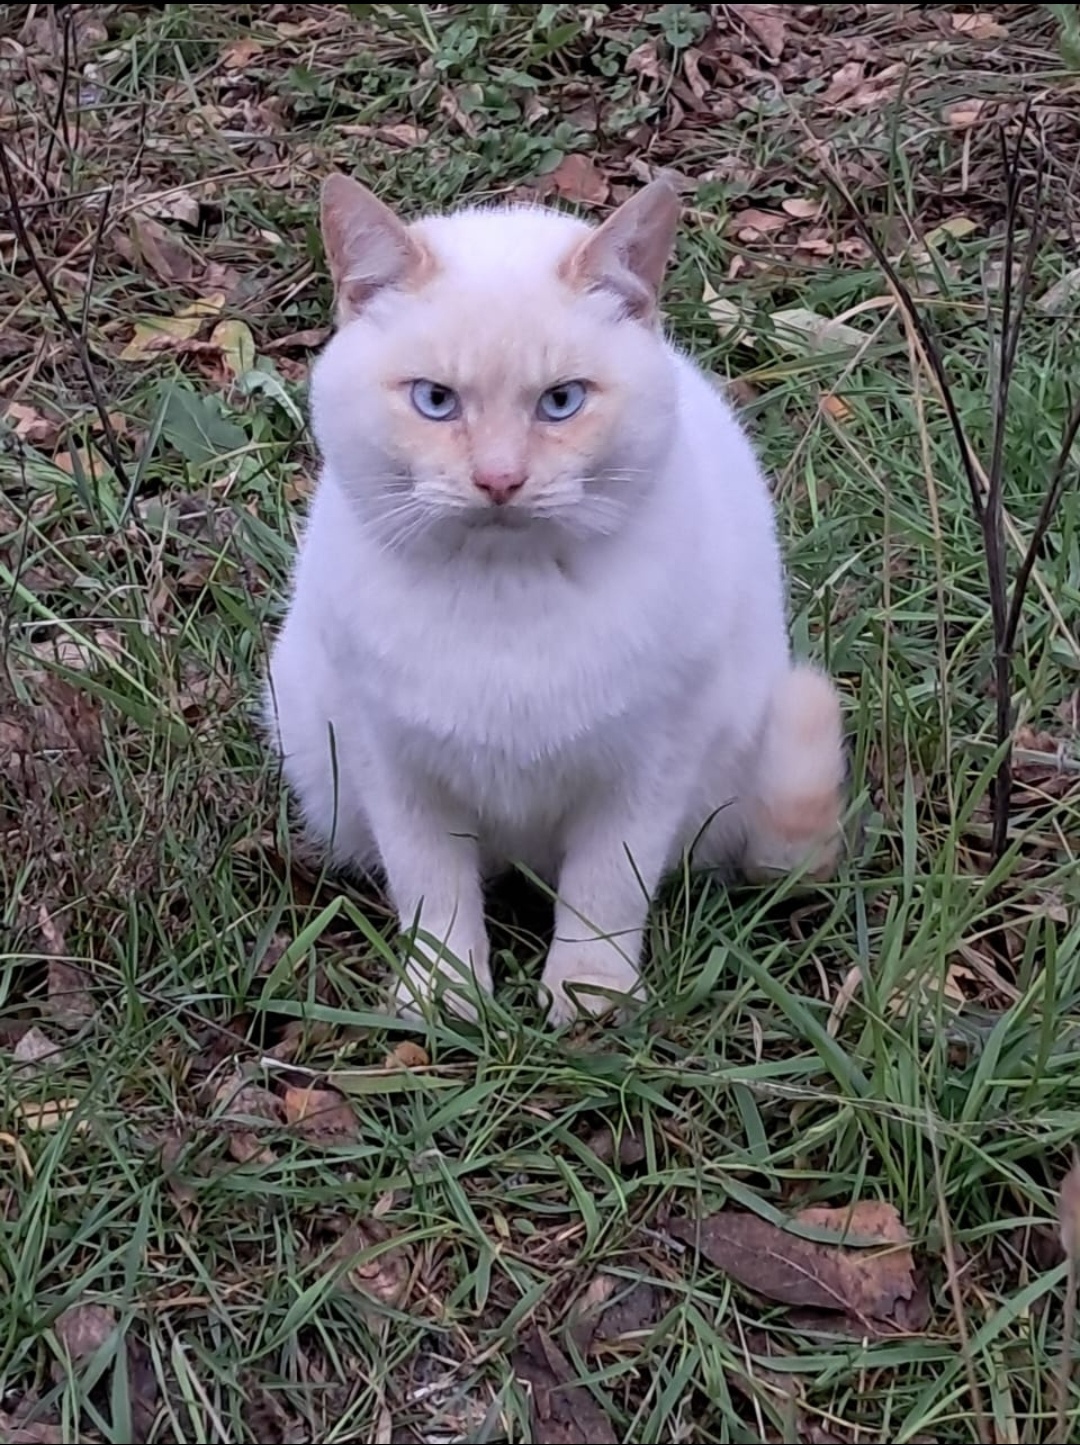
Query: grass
x,y
907,1034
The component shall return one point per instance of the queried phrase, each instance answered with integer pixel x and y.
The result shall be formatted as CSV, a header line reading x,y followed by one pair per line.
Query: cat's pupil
x,y
438,396
560,397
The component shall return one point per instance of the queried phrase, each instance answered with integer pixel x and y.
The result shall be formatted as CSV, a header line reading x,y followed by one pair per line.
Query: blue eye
x,y
561,402
436,402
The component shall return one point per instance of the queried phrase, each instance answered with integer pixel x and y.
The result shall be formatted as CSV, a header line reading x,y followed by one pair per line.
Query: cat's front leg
x,y
432,864
612,865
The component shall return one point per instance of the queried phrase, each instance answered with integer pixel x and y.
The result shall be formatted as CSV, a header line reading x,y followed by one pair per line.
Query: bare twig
x,y
1050,502
76,336
62,17
987,491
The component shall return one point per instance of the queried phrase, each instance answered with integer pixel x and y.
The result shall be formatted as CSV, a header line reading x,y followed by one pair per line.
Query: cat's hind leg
x,y
793,808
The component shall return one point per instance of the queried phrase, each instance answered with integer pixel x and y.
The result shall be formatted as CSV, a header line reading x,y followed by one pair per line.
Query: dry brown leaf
x,y
241,1103
845,81
385,1275
748,225
240,53
70,1005
978,27
306,340
320,1114
768,25
835,407
1069,1212
40,1116
644,60
160,251
964,114
562,1410
407,1055
577,178
33,1048
29,1432
629,1150
31,425
82,1330
868,1283
802,207
154,334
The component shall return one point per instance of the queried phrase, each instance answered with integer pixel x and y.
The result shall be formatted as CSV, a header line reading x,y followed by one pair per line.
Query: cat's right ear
x,y
367,247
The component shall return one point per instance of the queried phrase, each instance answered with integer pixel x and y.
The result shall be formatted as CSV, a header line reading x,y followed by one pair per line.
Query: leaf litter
x,y
869,1273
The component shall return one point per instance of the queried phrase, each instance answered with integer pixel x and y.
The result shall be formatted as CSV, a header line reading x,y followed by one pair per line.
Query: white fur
x,y
587,683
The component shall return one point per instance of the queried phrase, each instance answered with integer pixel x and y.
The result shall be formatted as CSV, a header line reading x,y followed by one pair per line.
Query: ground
x,y
812,1191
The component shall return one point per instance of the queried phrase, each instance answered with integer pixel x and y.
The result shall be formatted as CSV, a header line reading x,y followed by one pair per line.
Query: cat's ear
x,y
629,253
366,245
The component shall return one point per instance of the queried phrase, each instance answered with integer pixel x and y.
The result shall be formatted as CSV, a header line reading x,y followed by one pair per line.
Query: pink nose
x,y
499,486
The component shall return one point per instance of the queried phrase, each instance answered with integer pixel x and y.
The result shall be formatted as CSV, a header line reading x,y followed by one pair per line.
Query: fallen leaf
x,y
868,1283
451,106
767,24
799,330
161,251
563,1412
237,346
978,27
70,1005
725,313
406,1055
644,60
82,1330
632,1313
1069,1212
29,1432
964,114
306,340
578,179
385,1275
32,1048
154,334
956,226
845,81
241,1103
629,1150
802,207
320,1114
1062,296
174,205
240,53
49,1114
751,223
835,407
31,425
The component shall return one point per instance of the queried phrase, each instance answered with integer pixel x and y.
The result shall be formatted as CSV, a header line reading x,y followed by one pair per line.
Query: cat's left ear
x,y
629,253
367,246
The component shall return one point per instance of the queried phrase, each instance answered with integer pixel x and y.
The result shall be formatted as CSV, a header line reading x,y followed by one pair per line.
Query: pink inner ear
x,y
629,253
366,245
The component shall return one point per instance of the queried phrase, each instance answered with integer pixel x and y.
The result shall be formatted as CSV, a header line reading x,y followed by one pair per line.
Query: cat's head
x,y
495,368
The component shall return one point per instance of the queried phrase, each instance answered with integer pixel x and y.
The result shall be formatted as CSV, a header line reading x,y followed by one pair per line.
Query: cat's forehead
x,y
512,243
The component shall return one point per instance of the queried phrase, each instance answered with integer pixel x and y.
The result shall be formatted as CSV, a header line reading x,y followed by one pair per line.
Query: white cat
x,y
538,611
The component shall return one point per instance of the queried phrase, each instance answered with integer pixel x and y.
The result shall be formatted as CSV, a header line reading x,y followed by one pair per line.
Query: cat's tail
x,y
794,817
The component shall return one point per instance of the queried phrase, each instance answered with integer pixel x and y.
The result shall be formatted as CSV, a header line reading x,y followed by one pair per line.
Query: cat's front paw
x,y
444,981
594,970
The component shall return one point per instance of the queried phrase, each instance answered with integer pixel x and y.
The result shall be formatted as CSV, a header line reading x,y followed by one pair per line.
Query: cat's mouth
x,y
510,518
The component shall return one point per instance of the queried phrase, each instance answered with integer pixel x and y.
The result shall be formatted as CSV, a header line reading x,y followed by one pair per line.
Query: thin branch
x,y
930,351
75,336
1050,502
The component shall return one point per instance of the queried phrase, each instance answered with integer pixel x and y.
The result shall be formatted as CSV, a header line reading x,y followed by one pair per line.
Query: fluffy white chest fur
x,y
537,614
